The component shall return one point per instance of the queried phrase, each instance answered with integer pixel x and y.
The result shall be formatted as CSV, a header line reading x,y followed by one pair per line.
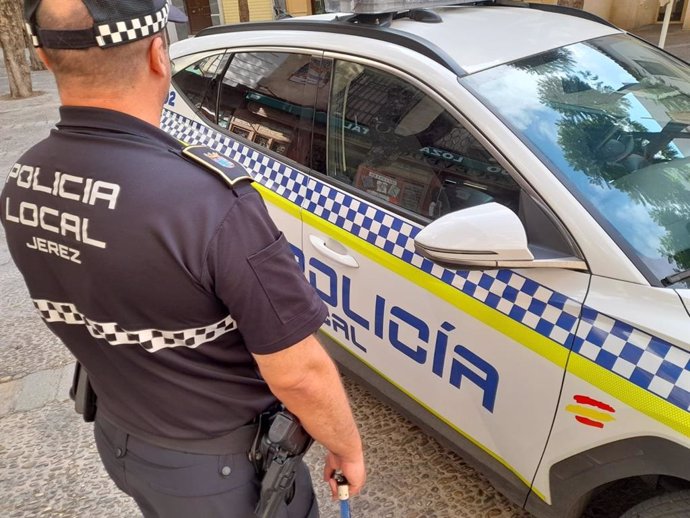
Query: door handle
x,y
323,247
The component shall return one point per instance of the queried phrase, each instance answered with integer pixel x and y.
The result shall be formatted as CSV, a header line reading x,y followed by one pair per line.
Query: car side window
x,y
389,139
267,98
198,83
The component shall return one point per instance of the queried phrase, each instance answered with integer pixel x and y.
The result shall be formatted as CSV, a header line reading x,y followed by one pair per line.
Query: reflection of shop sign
x,y
287,107
393,190
382,186
355,128
459,159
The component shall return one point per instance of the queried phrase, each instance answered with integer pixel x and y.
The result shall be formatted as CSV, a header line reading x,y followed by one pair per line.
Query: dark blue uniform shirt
x,y
158,277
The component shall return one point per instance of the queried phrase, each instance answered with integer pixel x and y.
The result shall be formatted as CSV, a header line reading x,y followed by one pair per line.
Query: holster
x,y
259,454
276,455
81,392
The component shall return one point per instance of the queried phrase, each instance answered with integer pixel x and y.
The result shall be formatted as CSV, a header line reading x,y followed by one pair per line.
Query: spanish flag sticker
x,y
591,412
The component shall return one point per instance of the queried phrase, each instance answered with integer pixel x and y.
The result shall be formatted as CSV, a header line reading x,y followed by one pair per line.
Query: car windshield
x,y
610,117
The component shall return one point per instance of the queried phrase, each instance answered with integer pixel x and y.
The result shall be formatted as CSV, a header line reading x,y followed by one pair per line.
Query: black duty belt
x,y
238,441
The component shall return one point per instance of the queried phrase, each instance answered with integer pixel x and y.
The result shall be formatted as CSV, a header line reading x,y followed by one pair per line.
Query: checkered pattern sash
x,y
150,339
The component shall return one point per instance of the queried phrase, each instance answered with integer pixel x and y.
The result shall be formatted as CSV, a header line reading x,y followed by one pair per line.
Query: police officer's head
x,y
104,48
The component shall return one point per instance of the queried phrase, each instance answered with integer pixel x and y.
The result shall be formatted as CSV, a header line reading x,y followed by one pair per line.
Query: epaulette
x,y
230,172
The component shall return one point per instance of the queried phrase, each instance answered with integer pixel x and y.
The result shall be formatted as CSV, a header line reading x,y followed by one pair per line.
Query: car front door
x,y
482,351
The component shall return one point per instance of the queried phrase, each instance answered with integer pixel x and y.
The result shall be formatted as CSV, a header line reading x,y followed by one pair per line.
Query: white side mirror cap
x,y
484,235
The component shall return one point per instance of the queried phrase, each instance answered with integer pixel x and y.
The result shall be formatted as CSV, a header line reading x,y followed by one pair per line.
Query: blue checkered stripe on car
x,y
647,361
547,312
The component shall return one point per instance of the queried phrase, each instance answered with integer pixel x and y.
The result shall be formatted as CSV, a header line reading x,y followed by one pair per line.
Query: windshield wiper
x,y
676,277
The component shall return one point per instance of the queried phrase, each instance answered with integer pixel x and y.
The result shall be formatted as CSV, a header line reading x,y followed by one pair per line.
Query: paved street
x,y
48,462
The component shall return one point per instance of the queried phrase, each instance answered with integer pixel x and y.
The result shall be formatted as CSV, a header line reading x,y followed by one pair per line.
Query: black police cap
x,y
116,22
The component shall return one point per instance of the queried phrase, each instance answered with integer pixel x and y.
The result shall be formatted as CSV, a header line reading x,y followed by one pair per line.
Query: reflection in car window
x,y
387,138
267,97
611,116
197,83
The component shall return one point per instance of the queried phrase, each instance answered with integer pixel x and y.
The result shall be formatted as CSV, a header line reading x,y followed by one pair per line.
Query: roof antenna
x,y
380,20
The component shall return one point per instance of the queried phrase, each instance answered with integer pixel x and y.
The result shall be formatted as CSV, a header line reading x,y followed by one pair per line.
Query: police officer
x,y
165,276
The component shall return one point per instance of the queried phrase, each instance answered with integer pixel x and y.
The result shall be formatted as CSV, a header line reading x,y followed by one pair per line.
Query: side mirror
x,y
485,236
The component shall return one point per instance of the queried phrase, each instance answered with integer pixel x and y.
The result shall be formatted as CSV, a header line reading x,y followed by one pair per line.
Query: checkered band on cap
x,y
115,33
150,339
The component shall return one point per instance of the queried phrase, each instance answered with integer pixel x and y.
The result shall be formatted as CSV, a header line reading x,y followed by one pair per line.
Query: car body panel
x,y
626,376
609,420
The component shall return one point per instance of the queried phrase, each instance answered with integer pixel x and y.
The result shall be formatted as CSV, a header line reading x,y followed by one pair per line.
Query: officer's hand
x,y
353,469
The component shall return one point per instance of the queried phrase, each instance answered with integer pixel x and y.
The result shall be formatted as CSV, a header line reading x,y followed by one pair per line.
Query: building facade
x,y
631,14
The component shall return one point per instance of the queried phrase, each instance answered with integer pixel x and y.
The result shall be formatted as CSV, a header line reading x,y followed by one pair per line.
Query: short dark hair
x,y
95,66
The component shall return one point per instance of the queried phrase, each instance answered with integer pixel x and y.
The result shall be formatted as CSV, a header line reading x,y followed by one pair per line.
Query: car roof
x,y
481,37
468,39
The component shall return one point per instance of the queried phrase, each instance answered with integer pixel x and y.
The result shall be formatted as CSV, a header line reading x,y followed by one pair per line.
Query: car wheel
x,y
670,505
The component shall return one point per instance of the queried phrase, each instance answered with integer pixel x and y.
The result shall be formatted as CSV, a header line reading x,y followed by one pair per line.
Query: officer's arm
x,y
306,380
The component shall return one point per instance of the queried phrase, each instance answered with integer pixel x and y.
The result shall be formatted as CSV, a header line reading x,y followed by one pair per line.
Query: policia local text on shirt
x,y
160,269
66,224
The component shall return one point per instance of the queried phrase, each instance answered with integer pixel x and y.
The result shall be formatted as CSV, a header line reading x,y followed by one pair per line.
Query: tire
x,y
670,505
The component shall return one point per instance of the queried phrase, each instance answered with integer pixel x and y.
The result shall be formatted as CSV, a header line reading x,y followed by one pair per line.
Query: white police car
x,y
494,202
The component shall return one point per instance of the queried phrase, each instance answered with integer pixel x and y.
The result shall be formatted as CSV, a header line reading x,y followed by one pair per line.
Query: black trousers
x,y
172,484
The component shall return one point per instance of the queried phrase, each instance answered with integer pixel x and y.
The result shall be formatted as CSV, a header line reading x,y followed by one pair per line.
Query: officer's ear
x,y
159,62
41,54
